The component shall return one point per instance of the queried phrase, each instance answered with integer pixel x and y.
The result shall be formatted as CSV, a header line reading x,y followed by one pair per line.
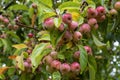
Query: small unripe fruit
x,y
73,26
27,65
67,36
88,50
55,64
91,13
75,67
113,12
92,22
15,27
96,26
10,26
29,51
1,18
30,35
76,55
67,18
48,59
34,5
85,28
61,27
101,10
77,35
53,54
64,68
117,5
49,23
6,21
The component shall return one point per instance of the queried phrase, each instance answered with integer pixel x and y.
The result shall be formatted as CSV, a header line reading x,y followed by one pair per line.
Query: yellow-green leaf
x,y
19,46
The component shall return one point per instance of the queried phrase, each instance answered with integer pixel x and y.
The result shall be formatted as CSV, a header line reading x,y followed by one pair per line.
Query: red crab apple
x,y
55,64
77,35
5,20
67,36
92,22
75,67
76,55
30,35
91,13
101,10
1,18
113,12
34,5
48,59
73,26
88,50
96,26
49,23
65,68
61,27
27,65
85,28
53,54
67,18
117,5
101,18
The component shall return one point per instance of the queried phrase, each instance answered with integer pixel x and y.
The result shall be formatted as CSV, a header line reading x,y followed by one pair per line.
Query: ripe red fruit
x,y
91,13
67,36
34,5
67,18
77,35
88,50
48,59
101,18
92,22
75,67
61,27
101,10
96,26
27,65
5,20
64,68
30,35
53,54
85,28
49,23
112,12
1,18
73,26
55,64
117,5
29,51
76,55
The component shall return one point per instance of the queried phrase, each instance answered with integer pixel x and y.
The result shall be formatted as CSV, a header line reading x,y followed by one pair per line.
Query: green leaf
x,y
97,42
20,62
56,76
44,36
46,2
83,58
1,44
19,7
14,36
92,67
2,77
38,53
57,21
91,3
69,5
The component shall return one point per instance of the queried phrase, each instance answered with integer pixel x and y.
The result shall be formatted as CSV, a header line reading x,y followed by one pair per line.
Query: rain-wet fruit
x,y
67,18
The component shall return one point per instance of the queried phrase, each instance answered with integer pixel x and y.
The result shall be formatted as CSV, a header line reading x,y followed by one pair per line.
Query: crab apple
x,y
29,51
67,36
34,5
96,26
67,18
30,35
15,27
76,55
85,28
65,68
75,67
49,23
48,59
53,54
1,18
113,12
5,20
27,65
77,35
91,13
28,60
88,50
101,18
61,27
73,26
117,5
92,22
101,10
55,64
10,26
